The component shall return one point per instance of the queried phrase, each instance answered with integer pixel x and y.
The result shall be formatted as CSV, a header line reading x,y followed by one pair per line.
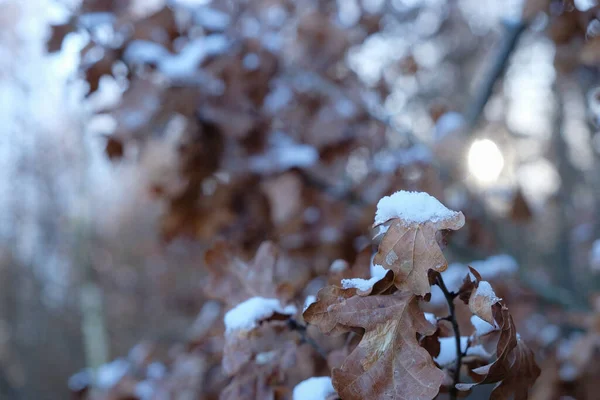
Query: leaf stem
x,y
301,329
450,296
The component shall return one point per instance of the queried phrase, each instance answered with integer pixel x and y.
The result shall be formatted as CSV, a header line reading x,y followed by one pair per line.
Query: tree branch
x,y
450,296
513,31
301,329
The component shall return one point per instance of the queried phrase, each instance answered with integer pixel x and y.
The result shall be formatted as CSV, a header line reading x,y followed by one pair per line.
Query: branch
x,y
450,296
301,329
513,31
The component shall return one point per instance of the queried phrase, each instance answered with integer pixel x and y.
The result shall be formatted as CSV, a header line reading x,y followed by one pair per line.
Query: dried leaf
x,y
388,362
480,296
410,249
233,280
515,366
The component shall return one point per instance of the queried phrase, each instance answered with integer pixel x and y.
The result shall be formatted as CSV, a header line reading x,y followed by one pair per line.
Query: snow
x,y
316,388
493,267
338,266
251,61
377,273
496,266
213,19
448,123
283,154
187,61
246,315
309,300
485,289
481,326
448,350
389,161
110,374
595,255
279,97
412,207
181,65
431,318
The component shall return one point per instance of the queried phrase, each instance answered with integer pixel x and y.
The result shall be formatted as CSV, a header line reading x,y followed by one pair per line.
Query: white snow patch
x,y
431,318
360,284
448,350
595,256
309,300
481,326
377,273
485,289
496,266
415,207
110,374
478,351
338,265
246,315
283,154
316,388
213,19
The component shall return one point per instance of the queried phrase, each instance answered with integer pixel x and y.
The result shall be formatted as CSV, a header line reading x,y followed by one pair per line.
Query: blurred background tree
x,y
136,133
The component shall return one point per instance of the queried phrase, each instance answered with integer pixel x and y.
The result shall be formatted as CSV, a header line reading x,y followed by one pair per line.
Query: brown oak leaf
x,y
388,362
514,367
479,295
233,280
410,249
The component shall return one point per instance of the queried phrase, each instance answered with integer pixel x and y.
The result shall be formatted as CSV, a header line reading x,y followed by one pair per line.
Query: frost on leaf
x,y
514,369
409,246
388,362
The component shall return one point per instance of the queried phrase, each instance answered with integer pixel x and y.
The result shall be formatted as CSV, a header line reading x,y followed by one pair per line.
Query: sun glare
x,y
485,161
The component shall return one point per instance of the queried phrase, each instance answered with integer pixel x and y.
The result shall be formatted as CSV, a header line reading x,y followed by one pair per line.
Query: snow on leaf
x,y
514,367
388,362
409,247
316,388
413,207
480,296
248,314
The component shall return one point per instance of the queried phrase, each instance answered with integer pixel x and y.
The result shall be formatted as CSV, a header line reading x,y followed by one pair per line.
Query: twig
x,y
450,296
301,329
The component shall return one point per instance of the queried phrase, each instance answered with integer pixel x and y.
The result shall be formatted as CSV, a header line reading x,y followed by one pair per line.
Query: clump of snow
x,y
248,314
493,267
415,207
481,326
448,350
316,388
595,255
389,161
448,123
338,266
431,318
377,273
309,300
496,266
360,284
283,154
478,351
485,289
108,375
211,18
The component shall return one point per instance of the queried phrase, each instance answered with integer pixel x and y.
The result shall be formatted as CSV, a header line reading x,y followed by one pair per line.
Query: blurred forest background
x,y
134,134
